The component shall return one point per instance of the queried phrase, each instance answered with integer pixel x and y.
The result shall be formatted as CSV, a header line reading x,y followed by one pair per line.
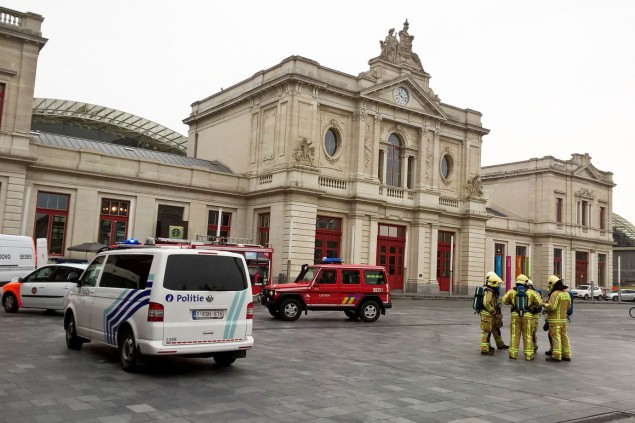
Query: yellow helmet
x,y
521,279
552,280
494,281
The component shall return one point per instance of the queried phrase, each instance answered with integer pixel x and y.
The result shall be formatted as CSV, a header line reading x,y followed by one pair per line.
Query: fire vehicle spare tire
x,y
369,311
352,314
290,309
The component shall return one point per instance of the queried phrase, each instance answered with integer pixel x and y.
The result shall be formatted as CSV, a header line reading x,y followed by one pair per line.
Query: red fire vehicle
x,y
258,258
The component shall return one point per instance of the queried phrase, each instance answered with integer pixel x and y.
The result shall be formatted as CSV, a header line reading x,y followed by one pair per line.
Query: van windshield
x,y
188,272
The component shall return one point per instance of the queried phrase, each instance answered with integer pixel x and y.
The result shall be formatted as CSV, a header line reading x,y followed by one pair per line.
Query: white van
x,y
158,301
19,256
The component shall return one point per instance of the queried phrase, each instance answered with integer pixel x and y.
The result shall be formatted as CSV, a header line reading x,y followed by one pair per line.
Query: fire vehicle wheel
x,y
72,340
10,303
128,353
369,312
274,313
290,309
352,314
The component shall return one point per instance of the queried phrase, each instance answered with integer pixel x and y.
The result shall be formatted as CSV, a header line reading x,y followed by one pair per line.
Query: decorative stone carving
x,y
359,114
585,193
400,52
372,74
474,186
305,152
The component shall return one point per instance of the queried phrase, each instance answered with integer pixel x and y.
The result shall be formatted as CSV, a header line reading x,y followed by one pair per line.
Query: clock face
x,y
401,96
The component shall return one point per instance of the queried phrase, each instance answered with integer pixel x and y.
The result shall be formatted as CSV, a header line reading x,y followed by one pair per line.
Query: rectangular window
x,y
521,255
2,91
113,221
557,262
603,218
213,224
559,210
202,272
264,220
374,277
126,271
350,277
170,223
601,269
583,210
411,169
50,220
380,167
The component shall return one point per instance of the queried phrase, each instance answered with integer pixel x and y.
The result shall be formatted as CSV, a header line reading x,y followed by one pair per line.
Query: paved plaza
x,y
418,363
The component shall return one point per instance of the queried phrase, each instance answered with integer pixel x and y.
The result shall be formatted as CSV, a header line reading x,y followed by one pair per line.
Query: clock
x,y
401,96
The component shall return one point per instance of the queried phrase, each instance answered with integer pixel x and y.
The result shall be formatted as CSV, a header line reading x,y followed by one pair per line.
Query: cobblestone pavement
x,y
418,363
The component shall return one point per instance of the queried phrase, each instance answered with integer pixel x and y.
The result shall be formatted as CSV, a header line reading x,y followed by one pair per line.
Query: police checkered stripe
x,y
122,308
234,311
350,299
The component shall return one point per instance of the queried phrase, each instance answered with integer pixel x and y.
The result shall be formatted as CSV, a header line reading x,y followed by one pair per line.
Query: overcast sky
x,y
551,77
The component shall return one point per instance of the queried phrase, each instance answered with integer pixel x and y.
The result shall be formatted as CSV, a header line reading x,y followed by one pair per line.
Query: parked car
x,y
584,291
624,294
47,287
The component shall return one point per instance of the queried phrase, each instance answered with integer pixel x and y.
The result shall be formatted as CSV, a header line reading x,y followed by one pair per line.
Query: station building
x,y
373,168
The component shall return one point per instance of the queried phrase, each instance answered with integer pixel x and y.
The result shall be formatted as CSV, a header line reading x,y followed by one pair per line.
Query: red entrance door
x,y
581,266
444,257
391,244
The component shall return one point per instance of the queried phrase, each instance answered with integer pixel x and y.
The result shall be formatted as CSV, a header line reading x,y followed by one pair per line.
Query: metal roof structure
x,y
623,232
99,123
115,150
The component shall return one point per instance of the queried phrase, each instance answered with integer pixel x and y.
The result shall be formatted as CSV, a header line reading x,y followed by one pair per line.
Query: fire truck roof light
x,y
331,260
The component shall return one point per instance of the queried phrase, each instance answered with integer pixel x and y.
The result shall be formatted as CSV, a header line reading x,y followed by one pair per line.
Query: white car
x,y
625,295
47,287
584,291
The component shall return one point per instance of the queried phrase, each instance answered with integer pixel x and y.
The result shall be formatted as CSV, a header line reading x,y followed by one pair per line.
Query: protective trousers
x,y
521,327
534,327
560,348
496,331
487,321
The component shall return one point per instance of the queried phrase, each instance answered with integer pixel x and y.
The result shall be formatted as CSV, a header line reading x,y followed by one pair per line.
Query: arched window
x,y
393,161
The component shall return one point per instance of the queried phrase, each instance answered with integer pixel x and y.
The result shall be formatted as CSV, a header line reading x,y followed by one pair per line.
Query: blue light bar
x,y
132,241
331,260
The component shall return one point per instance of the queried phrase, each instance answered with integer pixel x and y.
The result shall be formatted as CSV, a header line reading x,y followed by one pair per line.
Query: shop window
x,y
51,215
557,262
601,269
113,221
170,223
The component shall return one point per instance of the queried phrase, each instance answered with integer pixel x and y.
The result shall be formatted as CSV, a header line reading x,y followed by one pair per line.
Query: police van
x,y
163,302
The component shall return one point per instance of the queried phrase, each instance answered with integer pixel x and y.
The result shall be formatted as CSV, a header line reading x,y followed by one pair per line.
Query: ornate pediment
x,y
405,93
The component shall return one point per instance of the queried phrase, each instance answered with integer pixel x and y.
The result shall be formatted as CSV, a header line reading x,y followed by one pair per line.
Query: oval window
x,y
330,142
446,166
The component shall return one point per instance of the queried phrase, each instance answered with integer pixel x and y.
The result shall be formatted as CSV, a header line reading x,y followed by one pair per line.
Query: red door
x,y
444,265
391,244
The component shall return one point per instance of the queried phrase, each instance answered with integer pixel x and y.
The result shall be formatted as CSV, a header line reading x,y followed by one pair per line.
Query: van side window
x,y
350,277
202,272
89,278
126,271
374,277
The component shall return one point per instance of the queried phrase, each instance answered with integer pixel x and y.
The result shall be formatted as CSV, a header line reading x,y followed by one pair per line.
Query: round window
x,y
446,166
330,142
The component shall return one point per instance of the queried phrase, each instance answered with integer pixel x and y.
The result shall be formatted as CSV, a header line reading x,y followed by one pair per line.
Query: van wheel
x,y
72,340
290,310
224,359
10,303
352,314
369,312
128,353
274,313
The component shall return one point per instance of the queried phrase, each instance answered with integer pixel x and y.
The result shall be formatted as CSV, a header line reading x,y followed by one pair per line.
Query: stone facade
x,y
373,167
549,210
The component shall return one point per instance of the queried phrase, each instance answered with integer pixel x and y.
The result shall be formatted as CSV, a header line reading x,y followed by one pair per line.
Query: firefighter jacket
x,y
532,300
489,302
557,306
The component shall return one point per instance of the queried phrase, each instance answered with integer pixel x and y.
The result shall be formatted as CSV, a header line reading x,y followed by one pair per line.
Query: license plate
x,y
207,314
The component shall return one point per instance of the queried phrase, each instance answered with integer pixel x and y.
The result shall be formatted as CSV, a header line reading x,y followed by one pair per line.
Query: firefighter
x,y
498,320
557,306
535,310
489,313
521,318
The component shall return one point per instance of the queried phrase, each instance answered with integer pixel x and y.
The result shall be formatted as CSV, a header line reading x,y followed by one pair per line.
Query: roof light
x,y
132,241
331,260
